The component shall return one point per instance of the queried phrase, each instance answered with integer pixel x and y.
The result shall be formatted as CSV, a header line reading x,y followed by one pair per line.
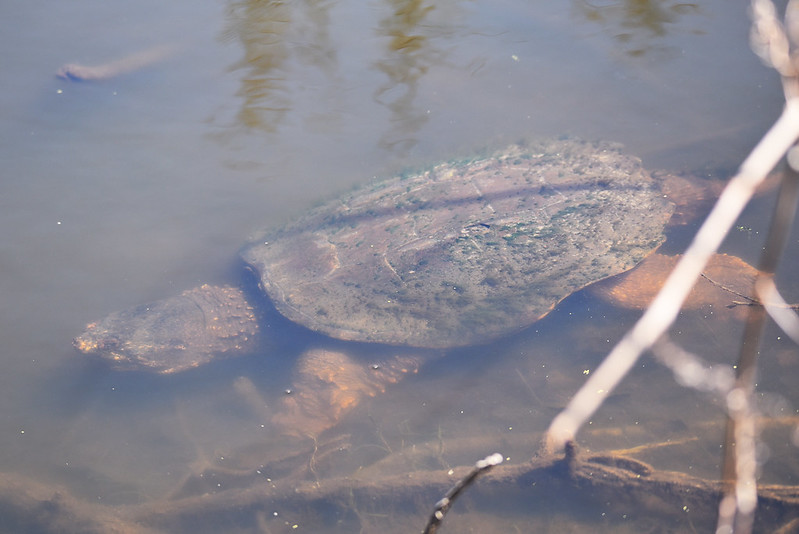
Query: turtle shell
x,y
466,251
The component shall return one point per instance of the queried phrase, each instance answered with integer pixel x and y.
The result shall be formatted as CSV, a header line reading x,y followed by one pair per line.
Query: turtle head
x,y
176,333
127,341
95,341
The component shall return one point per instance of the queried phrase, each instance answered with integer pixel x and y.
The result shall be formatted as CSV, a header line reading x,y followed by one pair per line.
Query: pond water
x,y
136,187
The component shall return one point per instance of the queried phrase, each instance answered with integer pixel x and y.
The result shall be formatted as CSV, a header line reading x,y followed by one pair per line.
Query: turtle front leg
x,y
328,384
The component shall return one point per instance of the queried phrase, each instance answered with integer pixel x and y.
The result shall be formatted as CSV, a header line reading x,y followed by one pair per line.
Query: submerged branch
x,y
443,506
661,313
615,482
74,71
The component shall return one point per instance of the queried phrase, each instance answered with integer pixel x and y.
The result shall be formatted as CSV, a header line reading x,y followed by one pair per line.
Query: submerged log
x,y
619,485
133,62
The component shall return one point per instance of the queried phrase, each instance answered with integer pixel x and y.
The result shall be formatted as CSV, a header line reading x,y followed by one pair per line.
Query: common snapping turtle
x,y
457,255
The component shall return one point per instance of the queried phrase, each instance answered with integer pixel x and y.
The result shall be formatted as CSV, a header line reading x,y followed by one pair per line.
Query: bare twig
x,y
779,310
663,310
442,506
748,301
784,216
736,512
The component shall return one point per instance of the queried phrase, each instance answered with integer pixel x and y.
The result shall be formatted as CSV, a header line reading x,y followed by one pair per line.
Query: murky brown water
x,y
121,191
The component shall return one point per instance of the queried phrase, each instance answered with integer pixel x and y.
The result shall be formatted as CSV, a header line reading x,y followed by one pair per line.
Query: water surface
x,y
125,190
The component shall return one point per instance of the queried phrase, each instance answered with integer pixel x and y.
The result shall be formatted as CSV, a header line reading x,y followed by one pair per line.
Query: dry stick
x,y
766,290
769,298
779,310
736,511
737,508
443,506
666,305
748,301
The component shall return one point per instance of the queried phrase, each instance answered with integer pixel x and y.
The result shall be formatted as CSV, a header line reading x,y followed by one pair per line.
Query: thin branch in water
x,y
664,308
443,506
749,301
775,301
784,216
780,311
737,509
